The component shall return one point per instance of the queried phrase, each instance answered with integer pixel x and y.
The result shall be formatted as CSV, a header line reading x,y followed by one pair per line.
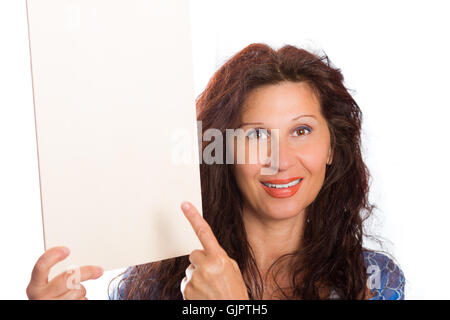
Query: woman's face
x,y
304,150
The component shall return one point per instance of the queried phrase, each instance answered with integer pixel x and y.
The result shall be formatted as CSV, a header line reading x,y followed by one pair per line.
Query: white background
x,y
395,59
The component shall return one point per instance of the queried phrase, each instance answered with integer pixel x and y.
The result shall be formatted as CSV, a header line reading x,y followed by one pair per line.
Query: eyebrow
x,y
249,123
305,115
296,118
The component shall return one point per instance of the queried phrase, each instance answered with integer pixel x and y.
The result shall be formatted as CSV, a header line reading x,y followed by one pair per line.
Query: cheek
x,y
313,159
245,175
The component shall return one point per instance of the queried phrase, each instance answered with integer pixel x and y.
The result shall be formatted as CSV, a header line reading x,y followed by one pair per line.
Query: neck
x,y
272,238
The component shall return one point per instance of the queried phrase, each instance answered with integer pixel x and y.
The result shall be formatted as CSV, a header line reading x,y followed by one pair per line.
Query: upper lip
x,y
281,181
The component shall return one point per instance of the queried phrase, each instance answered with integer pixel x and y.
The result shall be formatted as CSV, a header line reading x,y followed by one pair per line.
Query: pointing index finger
x,y
202,229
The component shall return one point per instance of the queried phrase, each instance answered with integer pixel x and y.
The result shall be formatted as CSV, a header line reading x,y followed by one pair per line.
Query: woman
x,y
294,234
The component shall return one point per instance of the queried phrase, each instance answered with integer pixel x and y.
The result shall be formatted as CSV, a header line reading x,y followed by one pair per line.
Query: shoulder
x,y
385,278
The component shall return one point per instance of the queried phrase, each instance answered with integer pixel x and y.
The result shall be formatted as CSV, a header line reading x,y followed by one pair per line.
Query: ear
x,y
329,157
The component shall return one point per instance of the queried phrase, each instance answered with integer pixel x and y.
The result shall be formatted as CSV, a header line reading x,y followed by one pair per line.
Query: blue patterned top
x,y
385,279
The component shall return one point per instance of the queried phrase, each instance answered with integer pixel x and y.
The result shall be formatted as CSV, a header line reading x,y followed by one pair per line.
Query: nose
x,y
282,156
286,156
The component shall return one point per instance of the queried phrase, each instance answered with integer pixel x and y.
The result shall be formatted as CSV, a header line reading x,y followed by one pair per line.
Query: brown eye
x,y
301,131
258,134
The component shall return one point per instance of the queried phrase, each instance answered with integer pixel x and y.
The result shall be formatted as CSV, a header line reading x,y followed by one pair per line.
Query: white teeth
x,y
279,186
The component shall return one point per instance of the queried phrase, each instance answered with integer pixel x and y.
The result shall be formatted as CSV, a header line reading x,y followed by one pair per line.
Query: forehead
x,y
280,100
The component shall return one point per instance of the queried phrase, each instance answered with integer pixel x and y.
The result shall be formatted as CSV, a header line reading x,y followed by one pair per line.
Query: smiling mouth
x,y
282,188
282,185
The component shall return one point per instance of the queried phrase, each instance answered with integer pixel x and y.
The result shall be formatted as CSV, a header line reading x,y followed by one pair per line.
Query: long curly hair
x,y
331,255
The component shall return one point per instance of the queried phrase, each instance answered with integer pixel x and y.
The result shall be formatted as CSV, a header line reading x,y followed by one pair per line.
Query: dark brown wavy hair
x,y
331,255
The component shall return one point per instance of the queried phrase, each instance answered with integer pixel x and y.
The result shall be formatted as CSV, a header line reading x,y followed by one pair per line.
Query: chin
x,y
281,209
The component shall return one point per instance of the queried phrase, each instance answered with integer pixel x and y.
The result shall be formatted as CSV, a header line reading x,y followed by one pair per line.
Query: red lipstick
x,y
282,188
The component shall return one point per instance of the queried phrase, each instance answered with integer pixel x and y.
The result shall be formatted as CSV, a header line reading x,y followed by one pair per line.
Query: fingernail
x,y
185,206
66,250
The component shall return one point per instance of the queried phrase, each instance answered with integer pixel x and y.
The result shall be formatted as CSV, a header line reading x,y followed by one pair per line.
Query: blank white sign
x,y
113,89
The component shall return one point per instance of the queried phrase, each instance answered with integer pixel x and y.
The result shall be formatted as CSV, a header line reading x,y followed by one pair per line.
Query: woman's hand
x,y
212,274
61,287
